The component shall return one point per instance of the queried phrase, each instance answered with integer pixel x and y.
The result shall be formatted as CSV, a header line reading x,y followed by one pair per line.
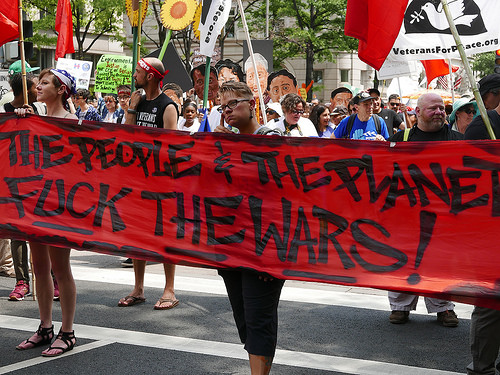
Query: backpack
x,y
350,124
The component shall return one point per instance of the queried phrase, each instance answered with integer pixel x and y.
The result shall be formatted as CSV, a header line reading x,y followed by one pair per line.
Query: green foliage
x,y
313,28
484,63
91,20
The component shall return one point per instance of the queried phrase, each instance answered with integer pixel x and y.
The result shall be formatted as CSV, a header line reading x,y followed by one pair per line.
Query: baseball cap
x,y
362,97
488,83
17,67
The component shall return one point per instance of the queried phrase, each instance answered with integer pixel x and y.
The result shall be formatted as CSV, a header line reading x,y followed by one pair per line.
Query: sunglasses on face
x,y
296,112
270,112
394,104
469,111
109,101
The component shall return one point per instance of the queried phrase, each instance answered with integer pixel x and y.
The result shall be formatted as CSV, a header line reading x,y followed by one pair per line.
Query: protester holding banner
x,y
254,296
154,110
430,127
292,124
485,323
363,124
84,111
54,88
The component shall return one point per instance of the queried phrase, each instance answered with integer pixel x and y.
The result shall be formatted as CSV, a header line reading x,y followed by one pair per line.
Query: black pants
x,y
255,309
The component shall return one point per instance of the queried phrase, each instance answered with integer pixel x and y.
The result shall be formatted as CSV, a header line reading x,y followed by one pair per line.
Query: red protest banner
x,y
419,216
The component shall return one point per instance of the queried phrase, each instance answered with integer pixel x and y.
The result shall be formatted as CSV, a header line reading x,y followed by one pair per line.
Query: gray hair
x,y
259,59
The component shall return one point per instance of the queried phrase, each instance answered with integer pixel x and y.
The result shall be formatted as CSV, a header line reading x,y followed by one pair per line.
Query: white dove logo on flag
x,y
427,16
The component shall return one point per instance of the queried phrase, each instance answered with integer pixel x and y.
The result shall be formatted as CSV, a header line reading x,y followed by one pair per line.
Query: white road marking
x,y
39,360
105,336
347,297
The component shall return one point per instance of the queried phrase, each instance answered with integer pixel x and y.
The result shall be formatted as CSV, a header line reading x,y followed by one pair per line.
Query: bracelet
x,y
131,111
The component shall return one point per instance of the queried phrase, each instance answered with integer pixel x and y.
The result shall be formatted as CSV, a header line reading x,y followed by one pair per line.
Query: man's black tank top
x,y
150,112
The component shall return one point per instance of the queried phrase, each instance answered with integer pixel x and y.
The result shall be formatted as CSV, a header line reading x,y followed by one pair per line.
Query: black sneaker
x,y
448,318
127,263
399,317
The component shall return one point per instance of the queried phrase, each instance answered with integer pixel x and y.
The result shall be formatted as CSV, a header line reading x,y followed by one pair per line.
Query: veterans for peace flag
x,y
419,29
214,16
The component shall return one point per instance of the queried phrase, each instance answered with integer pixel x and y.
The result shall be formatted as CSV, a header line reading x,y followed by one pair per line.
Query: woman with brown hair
x,y
54,88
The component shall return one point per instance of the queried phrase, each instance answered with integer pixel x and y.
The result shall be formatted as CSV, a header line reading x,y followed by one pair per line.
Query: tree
x,y
316,30
484,63
91,20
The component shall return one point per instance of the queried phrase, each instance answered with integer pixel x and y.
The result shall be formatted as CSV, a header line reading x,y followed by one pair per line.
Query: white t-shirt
x,y
193,128
307,128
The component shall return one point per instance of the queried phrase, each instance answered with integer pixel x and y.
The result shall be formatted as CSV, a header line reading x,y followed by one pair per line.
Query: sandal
x,y
47,334
67,338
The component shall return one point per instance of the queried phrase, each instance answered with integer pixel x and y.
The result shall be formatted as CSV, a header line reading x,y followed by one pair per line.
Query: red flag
x,y
375,27
64,26
9,14
436,68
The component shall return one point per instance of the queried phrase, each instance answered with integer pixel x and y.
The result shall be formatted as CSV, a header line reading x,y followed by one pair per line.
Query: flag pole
x,y
207,81
250,50
134,55
468,70
452,88
139,32
21,49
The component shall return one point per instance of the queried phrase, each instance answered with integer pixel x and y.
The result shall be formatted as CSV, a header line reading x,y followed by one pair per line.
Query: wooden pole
x,y
252,57
21,49
468,70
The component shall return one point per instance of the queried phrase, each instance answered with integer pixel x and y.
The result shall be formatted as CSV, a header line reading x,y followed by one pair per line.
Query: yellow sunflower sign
x,y
132,7
178,14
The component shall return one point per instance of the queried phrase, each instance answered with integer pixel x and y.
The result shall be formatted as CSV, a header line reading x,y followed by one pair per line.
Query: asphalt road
x,y
324,329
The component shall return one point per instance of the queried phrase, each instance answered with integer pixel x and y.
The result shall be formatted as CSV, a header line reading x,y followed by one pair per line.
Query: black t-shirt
x,y
477,130
391,118
150,112
444,134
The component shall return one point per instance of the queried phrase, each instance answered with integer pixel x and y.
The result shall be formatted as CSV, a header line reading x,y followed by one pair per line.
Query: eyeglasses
x,y
109,101
231,105
295,112
123,97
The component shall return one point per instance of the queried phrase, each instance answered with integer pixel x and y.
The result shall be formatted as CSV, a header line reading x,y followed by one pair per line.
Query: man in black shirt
x,y
430,127
157,110
391,118
430,122
485,323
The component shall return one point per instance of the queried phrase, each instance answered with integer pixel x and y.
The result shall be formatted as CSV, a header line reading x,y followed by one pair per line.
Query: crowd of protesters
x,y
234,106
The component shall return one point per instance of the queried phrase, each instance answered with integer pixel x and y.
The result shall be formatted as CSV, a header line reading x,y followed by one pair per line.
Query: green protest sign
x,y
113,71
